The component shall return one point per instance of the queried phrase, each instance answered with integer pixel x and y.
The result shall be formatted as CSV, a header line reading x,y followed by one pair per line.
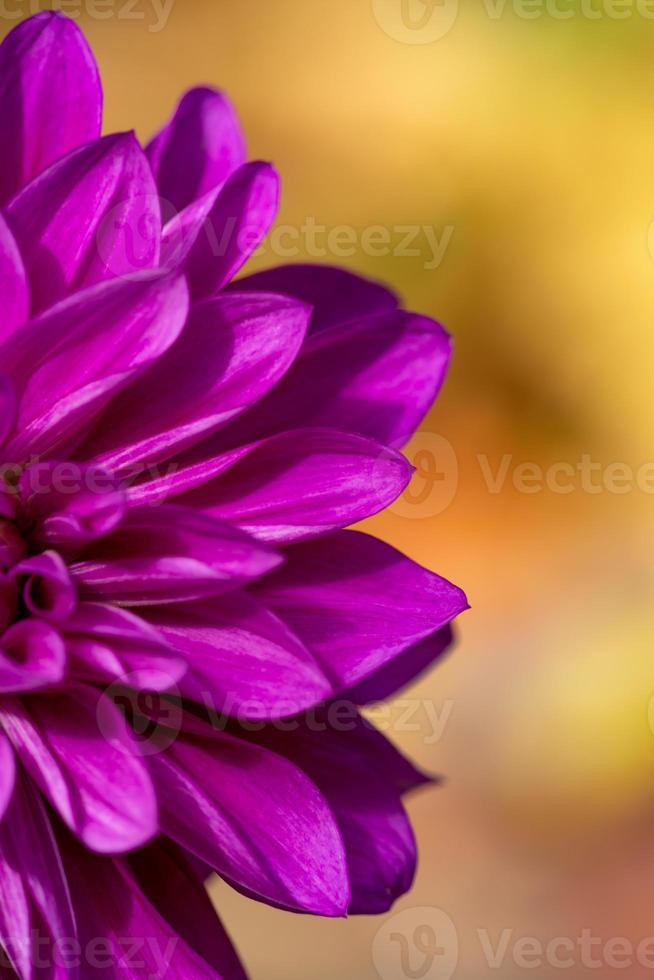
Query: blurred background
x,y
514,142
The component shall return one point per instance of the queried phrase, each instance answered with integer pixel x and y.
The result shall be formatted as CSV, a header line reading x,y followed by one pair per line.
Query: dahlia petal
x,y
8,408
178,555
239,220
181,231
137,941
68,362
304,483
109,644
231,352
7,774
377,376
70,504
13,283
185,473
32,656
357,769
78,749
50,97
28,845
92,216
357,603
256,819
46,586
403,670
168,881
242,660
198,149
336,295
15,916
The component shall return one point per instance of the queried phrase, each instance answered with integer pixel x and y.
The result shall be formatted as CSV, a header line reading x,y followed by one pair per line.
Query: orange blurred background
x,y
516,143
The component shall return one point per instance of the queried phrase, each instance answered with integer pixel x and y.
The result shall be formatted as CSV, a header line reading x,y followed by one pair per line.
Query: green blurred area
x,y
533,141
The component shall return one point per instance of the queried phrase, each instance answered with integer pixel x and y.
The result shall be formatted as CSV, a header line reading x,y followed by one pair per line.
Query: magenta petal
x,y
357,603
256,819
77,748
167,879
403,670
136,940
242,660
231,352
68,363
13,284
8,407
28,846
50,97
241,217
92,216
336,295
7,774
181,231
32,656
15,914
170,554
377,376
198,149
70,504
109,644
46,586
304,483
359,773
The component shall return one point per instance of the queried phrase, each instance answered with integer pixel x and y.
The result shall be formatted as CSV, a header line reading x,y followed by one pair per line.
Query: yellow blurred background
x,y
521,141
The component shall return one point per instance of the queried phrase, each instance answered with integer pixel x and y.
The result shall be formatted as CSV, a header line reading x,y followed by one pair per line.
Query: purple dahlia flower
x,y
183,616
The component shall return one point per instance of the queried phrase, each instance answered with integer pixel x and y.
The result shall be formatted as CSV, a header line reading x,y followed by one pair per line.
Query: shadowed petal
x,y
164,875
70,504
13,284
28,847
46,587
360,773
256,819
357,603
8,407
403,670
50,97
336,295
376,376
137,939
7,773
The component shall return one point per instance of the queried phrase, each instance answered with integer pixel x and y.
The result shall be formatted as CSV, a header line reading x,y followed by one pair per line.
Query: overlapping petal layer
x,y
185,620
